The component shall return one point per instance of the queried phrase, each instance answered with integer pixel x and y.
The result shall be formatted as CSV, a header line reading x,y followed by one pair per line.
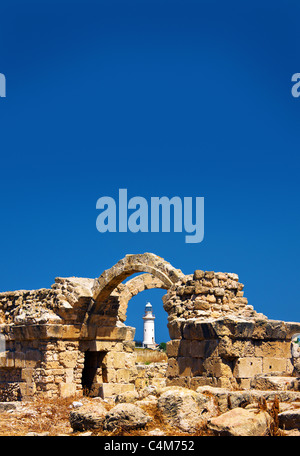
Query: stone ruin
x,y
72,338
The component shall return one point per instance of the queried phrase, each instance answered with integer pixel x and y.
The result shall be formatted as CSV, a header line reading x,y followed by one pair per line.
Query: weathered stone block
x,y
111,389
247,367
198,274
172,348
273,365
184,366
200,304
175,328
115,360
271,349
198,330
230,348
184,348
197,367
27,374
200,289
217,367
122,376
172,369
32,357
67,389
68,358
27,390
204,348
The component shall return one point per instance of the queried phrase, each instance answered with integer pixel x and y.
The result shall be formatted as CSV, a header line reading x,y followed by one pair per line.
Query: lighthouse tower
x,y
149,335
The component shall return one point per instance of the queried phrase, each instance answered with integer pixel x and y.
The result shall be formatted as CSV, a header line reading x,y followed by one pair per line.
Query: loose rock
x,y
185,409
240,422
87,417
126,416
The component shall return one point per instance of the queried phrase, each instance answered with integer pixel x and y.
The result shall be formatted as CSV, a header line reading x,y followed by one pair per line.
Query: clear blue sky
x,y
164,98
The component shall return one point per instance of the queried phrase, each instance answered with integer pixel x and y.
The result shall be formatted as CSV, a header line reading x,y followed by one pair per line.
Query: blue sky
x,y
164,98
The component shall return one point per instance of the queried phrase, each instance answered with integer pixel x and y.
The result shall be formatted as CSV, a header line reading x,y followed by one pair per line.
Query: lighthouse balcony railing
x,y
147,314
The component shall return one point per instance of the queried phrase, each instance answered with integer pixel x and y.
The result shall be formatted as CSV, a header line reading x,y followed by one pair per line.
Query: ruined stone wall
x,y
220,340
58,339
207,294
153,374
46,343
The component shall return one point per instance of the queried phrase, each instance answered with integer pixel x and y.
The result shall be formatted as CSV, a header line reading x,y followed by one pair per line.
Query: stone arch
x,y
124,292
164,275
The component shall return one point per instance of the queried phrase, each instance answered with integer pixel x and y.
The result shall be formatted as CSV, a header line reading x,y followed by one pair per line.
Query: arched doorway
x,y
106,316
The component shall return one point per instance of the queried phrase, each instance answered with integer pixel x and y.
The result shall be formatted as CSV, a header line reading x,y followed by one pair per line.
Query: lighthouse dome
x,y
148,305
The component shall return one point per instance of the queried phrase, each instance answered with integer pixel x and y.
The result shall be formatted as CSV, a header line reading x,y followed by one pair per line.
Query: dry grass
x,y
41,415
51,416
148,356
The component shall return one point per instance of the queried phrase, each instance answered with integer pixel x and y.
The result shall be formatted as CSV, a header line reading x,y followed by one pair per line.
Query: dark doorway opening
x,y
94,371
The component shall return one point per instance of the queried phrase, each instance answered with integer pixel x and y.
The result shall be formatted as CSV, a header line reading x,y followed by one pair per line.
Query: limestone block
x,y
289,419
158,382
102,345
19,359
67,389
111,375
115,360
184,366
196,382
9,359
198,274
27,390
204,348
172,348
197,367
53,331
219,292
184,348
273,365
209,274
69,374
200,304
230,348
175,328
200,289
68,358
270,349
244,383
27,374
115,333
172,369
183,382
247,367
198,330
32,357
130,359
217,367
189,290
3,359
71,331
111,389
122,376
269,329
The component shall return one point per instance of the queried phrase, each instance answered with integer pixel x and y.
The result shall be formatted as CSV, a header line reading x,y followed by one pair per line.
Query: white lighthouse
x,y
149,335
